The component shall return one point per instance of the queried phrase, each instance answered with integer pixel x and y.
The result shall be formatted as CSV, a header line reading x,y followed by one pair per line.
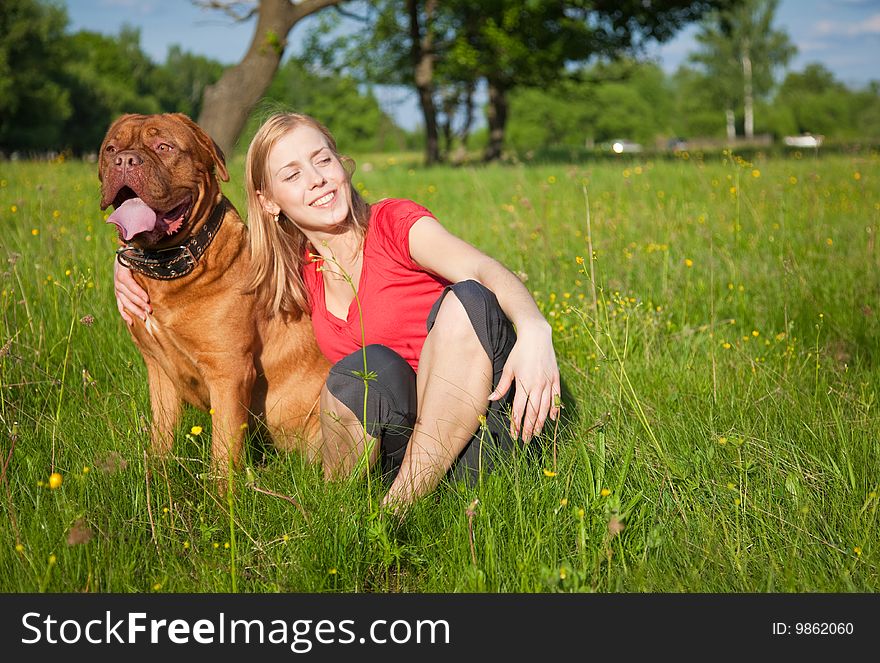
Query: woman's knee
x,y
389,388
452,321
333,407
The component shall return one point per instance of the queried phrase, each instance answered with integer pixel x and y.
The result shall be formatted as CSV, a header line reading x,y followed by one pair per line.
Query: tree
x,y
444,49
741,52
517,43
867,117
227,103
818,103
695,104
33,100
399,43
105,77
621,99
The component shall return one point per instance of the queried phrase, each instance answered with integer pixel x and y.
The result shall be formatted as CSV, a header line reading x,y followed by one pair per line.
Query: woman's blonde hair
x,y
278,248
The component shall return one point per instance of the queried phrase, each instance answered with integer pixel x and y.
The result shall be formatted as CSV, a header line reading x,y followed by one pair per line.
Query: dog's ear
x,y
208,144
111,133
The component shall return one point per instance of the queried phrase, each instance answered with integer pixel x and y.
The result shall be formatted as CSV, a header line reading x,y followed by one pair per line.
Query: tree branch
x,y
238,11
307,7
351,15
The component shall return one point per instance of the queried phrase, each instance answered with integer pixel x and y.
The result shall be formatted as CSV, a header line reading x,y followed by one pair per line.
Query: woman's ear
x,y
270,206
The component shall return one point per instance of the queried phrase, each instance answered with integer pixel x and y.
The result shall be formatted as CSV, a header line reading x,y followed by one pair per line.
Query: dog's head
x,y
159,172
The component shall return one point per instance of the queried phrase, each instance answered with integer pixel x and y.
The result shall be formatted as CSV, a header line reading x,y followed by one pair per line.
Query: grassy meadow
x,y
716,322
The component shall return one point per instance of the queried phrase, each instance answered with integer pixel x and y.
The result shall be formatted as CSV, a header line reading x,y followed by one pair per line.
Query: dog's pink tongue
x,y
132,217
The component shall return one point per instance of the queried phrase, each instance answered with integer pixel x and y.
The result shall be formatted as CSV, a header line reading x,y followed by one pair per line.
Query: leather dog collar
x,y
175,261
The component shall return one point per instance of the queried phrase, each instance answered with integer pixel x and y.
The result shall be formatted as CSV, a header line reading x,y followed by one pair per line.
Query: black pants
x,y
391,395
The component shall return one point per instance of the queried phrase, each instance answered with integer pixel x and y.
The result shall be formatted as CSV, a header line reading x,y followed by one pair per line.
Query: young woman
x,y
461,360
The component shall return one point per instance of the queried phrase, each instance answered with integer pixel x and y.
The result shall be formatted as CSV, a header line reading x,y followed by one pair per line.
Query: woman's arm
x,y
532,362
131,299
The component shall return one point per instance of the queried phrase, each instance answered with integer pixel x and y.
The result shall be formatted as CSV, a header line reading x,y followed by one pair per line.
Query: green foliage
x,y
819,104
106,76
33,100
623,99
509,44
562,115
355,118
181,80
697,109
60,91
626,99
868,111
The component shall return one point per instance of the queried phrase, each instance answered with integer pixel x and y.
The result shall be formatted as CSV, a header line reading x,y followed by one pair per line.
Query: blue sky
x,y
843,35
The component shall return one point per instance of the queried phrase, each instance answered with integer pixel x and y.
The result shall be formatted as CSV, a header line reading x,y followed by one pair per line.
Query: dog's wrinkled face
x,y
158,173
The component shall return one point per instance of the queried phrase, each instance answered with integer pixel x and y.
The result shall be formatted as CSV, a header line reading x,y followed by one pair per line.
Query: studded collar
x,y
174,261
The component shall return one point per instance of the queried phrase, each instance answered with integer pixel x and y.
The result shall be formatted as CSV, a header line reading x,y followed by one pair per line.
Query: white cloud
x,y
870,26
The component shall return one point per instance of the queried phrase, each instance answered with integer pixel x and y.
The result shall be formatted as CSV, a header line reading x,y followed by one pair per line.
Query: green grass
x,y
725,395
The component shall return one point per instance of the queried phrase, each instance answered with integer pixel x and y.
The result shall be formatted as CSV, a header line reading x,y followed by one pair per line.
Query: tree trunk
x,y
422,53
227,104
468,122
731,124
449,102
748,96
497,120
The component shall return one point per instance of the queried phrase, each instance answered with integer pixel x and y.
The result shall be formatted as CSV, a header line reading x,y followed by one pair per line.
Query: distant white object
x,y
807,140
622,146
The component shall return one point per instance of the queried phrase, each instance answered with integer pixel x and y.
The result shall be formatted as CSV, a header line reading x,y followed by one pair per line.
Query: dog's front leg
x,y
165,405
230,402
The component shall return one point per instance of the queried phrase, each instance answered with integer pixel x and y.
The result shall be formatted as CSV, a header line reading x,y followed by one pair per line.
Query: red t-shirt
x,y
395,294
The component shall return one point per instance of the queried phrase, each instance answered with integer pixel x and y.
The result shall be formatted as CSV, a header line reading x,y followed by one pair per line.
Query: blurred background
x,y
449,80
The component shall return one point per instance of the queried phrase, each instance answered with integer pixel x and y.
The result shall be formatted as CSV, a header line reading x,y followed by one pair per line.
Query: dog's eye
x,y
110,149
165,147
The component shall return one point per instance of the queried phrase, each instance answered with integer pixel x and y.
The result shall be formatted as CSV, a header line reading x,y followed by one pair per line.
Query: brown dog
x,y
205,343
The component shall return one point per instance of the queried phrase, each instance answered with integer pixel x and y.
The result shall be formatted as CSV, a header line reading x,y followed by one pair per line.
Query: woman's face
x,y
308,182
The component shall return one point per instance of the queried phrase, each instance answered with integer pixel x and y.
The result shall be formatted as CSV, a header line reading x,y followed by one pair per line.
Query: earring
x,y
276,218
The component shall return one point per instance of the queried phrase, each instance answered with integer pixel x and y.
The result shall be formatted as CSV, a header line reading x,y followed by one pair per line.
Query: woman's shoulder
x,y
390,222
394,209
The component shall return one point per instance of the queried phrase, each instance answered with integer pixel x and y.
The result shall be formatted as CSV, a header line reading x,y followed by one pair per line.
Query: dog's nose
x,y
128,160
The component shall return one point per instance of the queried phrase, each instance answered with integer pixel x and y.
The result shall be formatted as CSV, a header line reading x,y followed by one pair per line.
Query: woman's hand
x,y
131,299
532,363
